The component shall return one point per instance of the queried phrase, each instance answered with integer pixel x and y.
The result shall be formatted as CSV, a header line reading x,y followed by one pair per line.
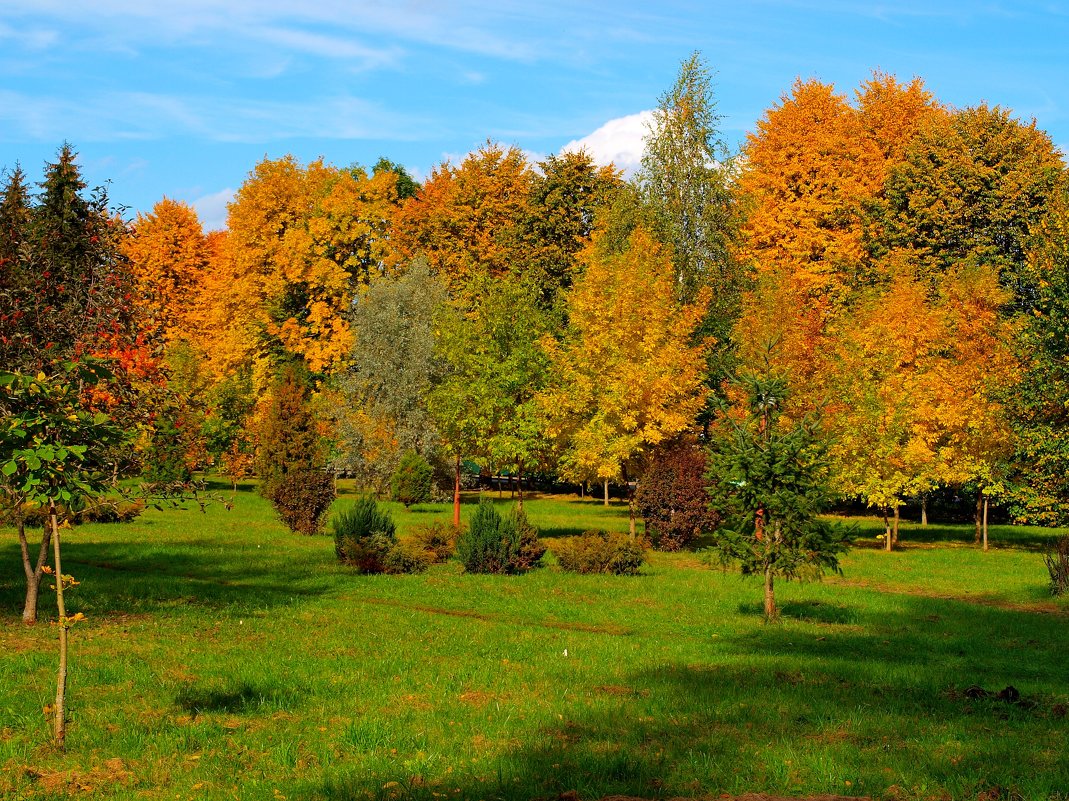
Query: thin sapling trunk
x,y
985,522
60,720
456,495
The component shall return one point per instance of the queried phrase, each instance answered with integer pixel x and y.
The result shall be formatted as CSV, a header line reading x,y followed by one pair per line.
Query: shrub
x,y
496,544
436,539
406,557
412,480
1058,566
302,498
365,538
673,498
600,552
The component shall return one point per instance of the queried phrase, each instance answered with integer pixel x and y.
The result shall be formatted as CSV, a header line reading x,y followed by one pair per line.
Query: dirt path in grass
x,y
1036,607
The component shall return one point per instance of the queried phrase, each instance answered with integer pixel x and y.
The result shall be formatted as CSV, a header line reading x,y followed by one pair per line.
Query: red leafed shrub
x,y
673,499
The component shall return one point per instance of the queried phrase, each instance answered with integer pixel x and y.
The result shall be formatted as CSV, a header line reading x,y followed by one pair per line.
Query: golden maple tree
x,y
627,375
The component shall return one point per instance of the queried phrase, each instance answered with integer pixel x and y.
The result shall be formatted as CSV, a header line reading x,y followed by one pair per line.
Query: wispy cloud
x,y
143,115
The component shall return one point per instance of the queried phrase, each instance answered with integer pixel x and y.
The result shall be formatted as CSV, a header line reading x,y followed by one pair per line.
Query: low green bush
x,y
365,537
496,544
600,552
302,498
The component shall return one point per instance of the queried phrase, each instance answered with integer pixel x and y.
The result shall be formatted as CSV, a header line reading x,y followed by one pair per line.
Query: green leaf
x,y
9,468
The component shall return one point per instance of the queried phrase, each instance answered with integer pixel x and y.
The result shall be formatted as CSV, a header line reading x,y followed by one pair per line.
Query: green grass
x,y
227,658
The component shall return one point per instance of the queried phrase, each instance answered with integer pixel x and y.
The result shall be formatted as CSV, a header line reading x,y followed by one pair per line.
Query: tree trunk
x,y
979,515
519,482
456,495
33,571
771,613
985,522
887,543
924,510
606,492
60,730
894,530
631,511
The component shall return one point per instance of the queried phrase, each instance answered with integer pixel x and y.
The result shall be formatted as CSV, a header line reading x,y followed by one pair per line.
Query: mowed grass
x,y
227,658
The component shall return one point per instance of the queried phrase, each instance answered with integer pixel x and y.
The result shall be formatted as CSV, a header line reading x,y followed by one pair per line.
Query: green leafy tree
x,y
566,196
1039,408
54,454
970,187
382,410
686,178
769,482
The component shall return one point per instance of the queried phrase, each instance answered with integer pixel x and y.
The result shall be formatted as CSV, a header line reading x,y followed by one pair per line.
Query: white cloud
x,y
619,141
212,209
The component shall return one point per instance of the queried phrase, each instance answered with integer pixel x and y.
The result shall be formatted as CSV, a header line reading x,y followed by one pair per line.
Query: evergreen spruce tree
x,y
769,483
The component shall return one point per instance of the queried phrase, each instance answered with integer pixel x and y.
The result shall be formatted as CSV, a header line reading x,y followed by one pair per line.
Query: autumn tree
x,y
466,219
887,406
626,375
813,168
168,254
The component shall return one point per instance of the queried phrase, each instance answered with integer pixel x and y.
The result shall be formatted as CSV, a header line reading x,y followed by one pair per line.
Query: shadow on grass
x,y
136,577
810,611
240,698
793,710
1025,538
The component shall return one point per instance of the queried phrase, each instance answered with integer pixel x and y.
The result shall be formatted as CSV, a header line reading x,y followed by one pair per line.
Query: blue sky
x,y
183,97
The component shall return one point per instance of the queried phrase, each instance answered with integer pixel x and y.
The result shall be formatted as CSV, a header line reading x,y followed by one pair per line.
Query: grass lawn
x,y
226,658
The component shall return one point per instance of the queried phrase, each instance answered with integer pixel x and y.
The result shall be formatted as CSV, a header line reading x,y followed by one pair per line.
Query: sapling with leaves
x,y
53,454
769,480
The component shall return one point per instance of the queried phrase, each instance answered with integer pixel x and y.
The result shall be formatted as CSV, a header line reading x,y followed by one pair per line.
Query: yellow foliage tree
x,y
169,254
627,375
888,412
466,220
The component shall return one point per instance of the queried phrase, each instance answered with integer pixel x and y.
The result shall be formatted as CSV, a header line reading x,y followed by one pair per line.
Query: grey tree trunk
x,y
924,510
606,492
33,571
